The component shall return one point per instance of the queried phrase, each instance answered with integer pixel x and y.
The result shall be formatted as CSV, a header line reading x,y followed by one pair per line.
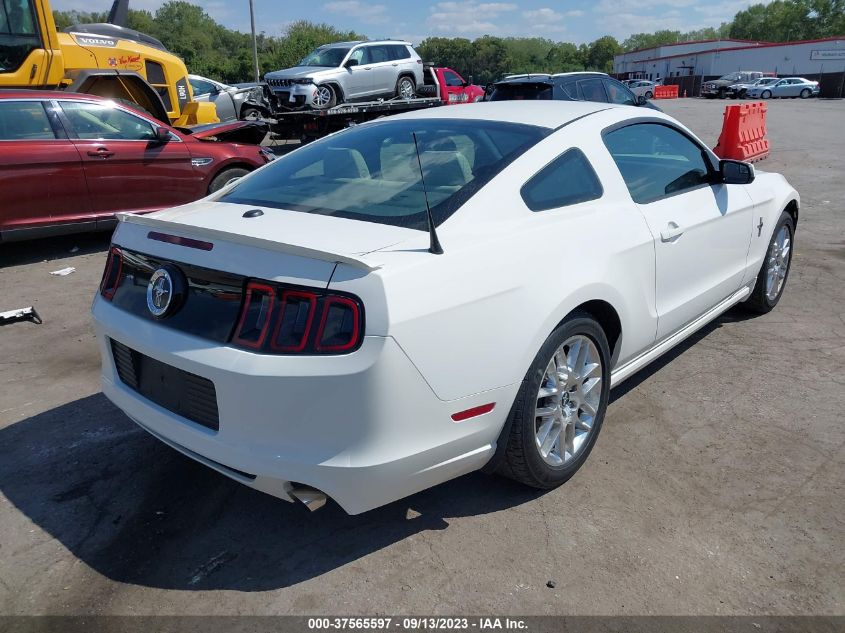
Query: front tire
x,y
325,97
771,280
225,177
558,412
766,94
723,94
406,88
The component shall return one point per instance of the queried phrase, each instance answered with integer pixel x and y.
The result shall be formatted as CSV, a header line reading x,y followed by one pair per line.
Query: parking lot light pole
x,y
254,40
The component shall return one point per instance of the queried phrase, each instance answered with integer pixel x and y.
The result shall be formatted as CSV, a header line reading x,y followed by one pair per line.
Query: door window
x,y
18,33
452,79
92,121
201,88
398,52
24,121
591,90
657,160
569,179
376,55
617,93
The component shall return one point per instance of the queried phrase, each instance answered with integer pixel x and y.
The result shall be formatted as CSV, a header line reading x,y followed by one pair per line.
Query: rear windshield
x,y
522,92
372,172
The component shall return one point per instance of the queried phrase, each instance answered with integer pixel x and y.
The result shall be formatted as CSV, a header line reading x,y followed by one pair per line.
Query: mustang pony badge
x,y
165,291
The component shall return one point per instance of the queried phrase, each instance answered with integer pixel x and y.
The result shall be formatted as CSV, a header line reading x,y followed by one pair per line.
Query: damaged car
x,y
70,161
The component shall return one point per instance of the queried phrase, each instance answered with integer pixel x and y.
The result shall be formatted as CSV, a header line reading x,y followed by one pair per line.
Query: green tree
x,y
600,53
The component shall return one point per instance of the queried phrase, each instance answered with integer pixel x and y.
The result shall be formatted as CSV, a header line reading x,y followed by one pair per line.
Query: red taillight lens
x,y
294,323
111,275
339,325
255,315
279,320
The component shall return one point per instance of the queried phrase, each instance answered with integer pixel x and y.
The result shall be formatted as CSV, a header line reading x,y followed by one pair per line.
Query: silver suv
x,y
349,71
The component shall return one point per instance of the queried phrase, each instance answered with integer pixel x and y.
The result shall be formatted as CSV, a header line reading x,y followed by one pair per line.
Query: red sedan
x,y
68,162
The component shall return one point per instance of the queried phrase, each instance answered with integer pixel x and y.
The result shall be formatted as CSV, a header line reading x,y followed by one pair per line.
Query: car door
x,y
126,168
385,70
453,85
359,77
41,174
701,229
780,88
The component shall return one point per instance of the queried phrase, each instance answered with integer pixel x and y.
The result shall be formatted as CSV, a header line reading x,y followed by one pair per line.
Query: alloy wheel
x,y
568,400
323,96
406,88
778,263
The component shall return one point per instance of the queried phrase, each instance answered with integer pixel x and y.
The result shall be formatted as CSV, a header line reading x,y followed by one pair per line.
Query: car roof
x,y
24,93
357,42
548,114
538,78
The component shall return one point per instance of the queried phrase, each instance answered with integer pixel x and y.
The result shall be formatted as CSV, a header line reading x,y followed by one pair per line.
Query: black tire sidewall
x,y
759,302
543,474
649,93
220,180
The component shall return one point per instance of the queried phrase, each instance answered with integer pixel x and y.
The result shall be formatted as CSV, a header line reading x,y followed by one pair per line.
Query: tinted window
x,y
568,179
104,121
398,51
567,91
617,93
23,121
372,172
522,92
376,54
656,160
18,35
452,79
591,90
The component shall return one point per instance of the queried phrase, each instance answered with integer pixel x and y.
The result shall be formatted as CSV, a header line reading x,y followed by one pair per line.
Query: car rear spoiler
x,y
356,261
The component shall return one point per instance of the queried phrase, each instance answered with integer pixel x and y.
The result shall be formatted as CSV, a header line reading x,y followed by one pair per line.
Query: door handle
x,y
671,232
394,64
101,152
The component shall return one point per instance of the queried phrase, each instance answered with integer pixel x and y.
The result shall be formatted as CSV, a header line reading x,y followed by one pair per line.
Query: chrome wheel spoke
x,y
568,400
777,263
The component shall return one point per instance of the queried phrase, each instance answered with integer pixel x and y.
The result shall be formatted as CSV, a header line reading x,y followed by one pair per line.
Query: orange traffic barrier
x,y
743,134
666,92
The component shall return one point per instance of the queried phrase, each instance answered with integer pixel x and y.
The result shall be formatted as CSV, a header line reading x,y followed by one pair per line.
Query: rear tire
x,y
805,94
649,95
225,177
406,88
566,390
771,280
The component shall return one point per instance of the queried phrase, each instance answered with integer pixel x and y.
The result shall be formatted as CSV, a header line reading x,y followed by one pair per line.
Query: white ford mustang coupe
x,y
431,294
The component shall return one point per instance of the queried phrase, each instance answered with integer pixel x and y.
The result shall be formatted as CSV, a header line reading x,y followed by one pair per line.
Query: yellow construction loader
x,y
106,59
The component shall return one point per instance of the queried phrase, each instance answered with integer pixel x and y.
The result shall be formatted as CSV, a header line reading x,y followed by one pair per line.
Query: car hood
x,y
298,72
249,132
310,235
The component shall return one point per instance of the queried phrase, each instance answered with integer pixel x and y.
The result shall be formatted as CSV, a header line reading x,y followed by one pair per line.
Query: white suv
x,y
349,71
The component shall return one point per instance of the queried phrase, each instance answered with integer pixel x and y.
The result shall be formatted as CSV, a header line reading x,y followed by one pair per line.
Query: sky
x,y
575,21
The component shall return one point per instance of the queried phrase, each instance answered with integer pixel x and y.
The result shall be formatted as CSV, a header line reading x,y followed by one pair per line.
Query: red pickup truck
x,y
447,85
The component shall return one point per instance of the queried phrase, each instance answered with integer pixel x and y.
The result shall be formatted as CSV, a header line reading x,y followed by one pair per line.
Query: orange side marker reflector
x,y
474,412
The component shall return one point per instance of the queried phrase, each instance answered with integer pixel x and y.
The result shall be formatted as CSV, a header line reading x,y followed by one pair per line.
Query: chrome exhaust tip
x,y
311,498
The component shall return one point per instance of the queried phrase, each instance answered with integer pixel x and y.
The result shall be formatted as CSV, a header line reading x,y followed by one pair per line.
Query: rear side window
x,y
568,179
397,52
24,121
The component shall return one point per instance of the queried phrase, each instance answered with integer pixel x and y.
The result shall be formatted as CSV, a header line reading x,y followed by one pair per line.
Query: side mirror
x,y
162,135
735,172
641,100
350,63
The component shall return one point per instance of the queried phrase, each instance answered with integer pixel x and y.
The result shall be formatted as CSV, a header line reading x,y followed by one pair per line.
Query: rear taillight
x,y
112,273
279,320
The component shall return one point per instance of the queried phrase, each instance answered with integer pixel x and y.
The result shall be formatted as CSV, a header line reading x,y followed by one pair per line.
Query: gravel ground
x,y
716,486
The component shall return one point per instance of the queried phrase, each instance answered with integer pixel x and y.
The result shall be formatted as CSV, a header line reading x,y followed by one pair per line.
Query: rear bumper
x,y
364,428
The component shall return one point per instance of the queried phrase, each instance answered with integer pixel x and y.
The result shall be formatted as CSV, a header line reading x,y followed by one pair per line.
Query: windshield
x,y
522,92
328,57
766,80
18,33
372,172
731,77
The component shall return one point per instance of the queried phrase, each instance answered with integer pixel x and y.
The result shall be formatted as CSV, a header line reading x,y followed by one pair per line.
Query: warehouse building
x,y
691,63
